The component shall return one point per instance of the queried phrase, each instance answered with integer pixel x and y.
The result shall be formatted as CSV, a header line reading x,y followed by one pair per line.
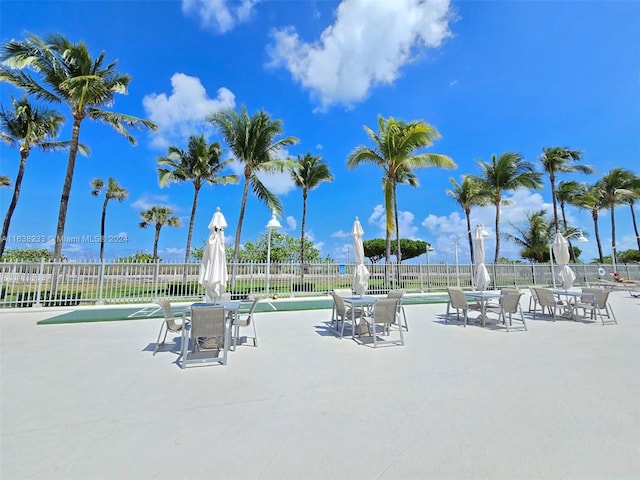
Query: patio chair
x,y
208,332
509,305
343,292
458,301
169,323
385,313
399,294
533,300
598,302
547,299
244,318
343,313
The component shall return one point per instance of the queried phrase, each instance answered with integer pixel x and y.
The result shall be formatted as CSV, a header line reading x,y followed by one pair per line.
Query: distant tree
x,y
589,197
253,143
69,75
113,191
467,194
5,181
138,257
394,151
284,249
308,172
558,160
616,187
505,173
28,255
27,126
534,239
374,249
199,164
633,186
158,217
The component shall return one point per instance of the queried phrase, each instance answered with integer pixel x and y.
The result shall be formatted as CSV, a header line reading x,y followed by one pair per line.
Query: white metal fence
x,y
25,284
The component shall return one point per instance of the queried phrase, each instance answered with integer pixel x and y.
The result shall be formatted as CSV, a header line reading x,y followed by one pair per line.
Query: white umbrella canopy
x,y
482,278
213,269
361,277
561,253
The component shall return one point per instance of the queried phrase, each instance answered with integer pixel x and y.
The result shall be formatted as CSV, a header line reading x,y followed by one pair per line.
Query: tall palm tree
x,y
565,192
113,191
27,126
70,75
614,187
535,238
589,197
394,151
159,217
467,194
634,188
252,140
558,160
199,164
505,173
308,172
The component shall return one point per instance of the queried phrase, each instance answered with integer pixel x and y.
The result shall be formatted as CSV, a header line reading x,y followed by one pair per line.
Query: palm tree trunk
x,y
24,153
191,222
594,215
397,228
156,238
552,178
467,212
66,190
304,219
572,254
633,218
613,233
102,224
236,247
495,260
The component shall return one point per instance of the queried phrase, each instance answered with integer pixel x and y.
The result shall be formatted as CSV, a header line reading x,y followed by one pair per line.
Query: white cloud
x,y
146,201
291,223
352,56
405,222
183,111
219,15
340,234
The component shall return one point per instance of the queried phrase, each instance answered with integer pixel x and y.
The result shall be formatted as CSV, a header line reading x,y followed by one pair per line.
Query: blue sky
x,y
491,76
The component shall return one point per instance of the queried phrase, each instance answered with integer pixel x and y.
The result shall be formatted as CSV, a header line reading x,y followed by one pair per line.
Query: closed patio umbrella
x,y
561,253
213,269
482,278
361,277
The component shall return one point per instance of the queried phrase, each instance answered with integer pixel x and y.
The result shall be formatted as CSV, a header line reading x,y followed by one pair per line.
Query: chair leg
x,y
610,311
255,334
404,315
162,327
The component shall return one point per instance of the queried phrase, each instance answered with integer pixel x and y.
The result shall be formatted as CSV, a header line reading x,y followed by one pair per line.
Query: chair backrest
x,y
385,310
167,312
534,294
545,297
601,296
249,313
339,302
343,292
395,294
457,298
207,321
506,290
510,302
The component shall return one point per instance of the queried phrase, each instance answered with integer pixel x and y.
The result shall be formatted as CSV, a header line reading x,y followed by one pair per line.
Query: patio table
x,y
571,307
358,301
483,296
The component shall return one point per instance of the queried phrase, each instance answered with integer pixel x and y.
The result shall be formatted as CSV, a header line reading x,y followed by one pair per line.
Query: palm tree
x,y
614,187
114,191
307,173
27,126
252,141
467,194
564,193
505,173
535,238
557,160
634,188
394,147
589,197
5,182
158,216
200,164
69,75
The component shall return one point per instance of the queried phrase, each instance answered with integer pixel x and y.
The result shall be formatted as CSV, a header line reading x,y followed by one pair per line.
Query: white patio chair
x,y
169,323
342,292
597,302
385,313
458,301
244,318
343,313
509,305
547,299
399,294
208,332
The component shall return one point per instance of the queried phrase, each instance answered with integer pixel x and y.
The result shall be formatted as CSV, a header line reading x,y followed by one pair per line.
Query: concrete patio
x,y
89,401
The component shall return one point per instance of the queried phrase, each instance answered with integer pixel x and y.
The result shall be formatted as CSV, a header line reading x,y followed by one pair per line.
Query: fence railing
x,y
25,284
